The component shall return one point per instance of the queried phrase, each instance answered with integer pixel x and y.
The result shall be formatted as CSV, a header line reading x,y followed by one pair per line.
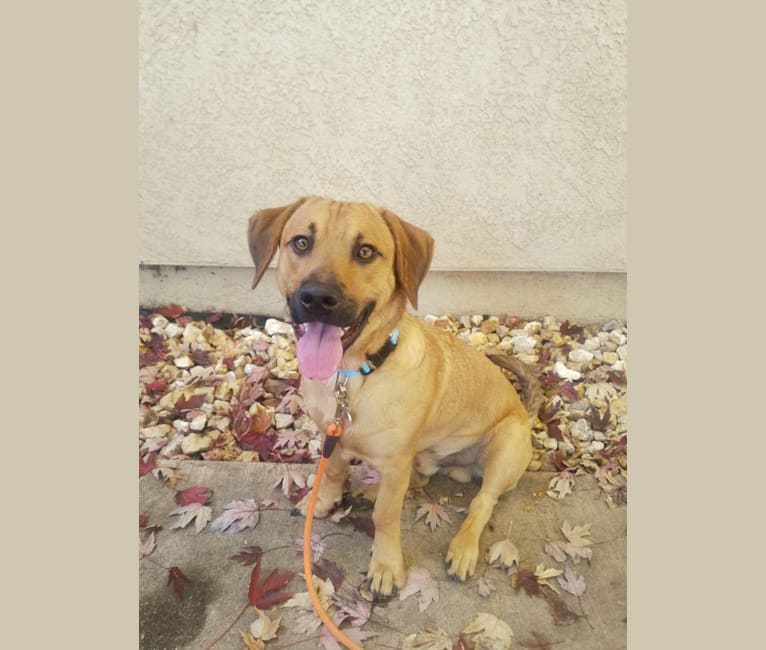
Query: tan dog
x,y
433,402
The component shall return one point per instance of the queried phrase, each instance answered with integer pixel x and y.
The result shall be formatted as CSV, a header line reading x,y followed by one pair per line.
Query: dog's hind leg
x,y
506,456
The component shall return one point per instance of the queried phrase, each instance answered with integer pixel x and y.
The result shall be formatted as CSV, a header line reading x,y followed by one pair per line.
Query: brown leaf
x,y
559,609
526,580
177,579
248,555
363,524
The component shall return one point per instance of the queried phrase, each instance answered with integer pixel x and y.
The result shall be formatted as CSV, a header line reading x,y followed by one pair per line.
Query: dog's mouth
x,y
321,345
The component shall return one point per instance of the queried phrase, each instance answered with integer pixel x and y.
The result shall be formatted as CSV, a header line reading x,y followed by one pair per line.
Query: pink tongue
x,y
319,350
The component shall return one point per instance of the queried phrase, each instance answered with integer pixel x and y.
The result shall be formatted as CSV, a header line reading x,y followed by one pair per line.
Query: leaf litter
x,y
236,381
230,375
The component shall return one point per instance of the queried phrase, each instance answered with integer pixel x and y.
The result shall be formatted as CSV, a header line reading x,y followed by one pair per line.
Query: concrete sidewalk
x,y
217,589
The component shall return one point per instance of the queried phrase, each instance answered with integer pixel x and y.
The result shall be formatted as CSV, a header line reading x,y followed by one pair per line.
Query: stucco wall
x,y
498,126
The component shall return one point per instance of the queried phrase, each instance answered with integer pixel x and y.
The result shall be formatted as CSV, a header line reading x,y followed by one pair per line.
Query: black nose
x,y
319,299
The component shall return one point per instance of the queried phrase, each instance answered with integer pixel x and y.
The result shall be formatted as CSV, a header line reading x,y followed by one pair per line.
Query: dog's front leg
x,y
386,570
331,489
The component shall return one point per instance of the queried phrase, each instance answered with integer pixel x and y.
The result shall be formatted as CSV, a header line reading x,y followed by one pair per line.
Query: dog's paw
x,y
462,556
385,577
321,510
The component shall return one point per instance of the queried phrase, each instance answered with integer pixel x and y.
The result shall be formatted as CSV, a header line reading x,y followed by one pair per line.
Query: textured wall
x,y
499,126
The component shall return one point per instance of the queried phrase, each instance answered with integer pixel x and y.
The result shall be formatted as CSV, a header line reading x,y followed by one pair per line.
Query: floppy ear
x,y
414,250
263,233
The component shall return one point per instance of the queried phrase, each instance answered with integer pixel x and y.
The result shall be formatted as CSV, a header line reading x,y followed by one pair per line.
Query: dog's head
x,y
345,269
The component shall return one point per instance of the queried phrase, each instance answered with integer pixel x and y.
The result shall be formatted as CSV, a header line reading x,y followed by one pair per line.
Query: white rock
x,y
220,422
563,372
611,325
581,429
182,426
524,344
173,330
465,321
195,443
502,331
551,443
550,323
580,355
283,420
610,357
595,446
533,327
476,319
528,358
274,326
618,366
618,337
183,362
157,431
173,448
191,333
198,423
600,436
567,447
159,323
592,344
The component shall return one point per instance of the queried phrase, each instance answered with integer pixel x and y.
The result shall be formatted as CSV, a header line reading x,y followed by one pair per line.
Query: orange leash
x,y
334,432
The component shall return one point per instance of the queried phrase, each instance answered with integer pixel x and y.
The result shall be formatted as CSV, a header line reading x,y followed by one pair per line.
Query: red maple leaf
x,y
364,524
195,494
328,569
267,594
177,579
170,311
146,466
263,443
158,386
568,329
248,555
214,318
194,402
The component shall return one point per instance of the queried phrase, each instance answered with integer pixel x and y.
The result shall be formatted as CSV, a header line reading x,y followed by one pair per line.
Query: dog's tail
x,y
531,390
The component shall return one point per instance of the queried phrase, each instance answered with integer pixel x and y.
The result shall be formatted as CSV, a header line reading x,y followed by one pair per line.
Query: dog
x,y
420,400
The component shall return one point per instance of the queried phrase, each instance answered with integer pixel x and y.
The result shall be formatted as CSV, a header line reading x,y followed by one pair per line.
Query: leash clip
x,y
342,415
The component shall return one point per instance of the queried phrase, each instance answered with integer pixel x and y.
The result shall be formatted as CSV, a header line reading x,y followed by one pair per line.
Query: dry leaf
x,y
561,485
146,543
542,575
251,643
503,552
194,511
571,582
434,513
486,587
237,516
490,632
430,639
264,628
420,582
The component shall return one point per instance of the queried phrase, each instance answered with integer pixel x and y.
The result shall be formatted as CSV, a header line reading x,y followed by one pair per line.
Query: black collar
x,y
374,361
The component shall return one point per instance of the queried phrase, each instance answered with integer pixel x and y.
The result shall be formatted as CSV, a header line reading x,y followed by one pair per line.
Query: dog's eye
x,y
300,244
366,253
